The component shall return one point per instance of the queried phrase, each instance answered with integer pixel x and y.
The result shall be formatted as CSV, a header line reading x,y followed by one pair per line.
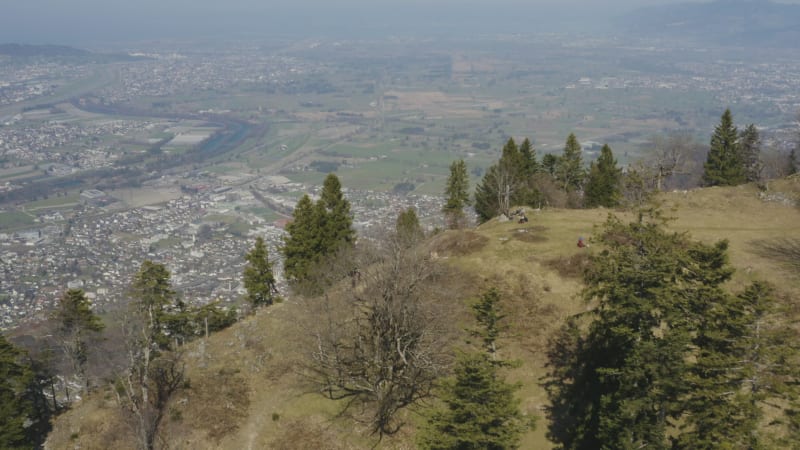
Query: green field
x,y
15,219
55,202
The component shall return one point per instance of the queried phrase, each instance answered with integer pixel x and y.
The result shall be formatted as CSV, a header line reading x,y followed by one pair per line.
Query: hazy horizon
x,y
95,22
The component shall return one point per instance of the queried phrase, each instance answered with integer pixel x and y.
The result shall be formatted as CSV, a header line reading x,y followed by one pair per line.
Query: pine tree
x,y
488,315
319,231
338,226
723,166
747,358
617,384
456,195
716,414
15,379
153,296
750,153
480,411
528,153
528,193
302,244
23,417
75,323
510,181
793,165
666,346
549,164
486,205
603,182
258,278
408,228
569,169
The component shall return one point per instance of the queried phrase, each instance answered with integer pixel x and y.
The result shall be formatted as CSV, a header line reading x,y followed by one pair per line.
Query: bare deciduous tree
x,y
379,344
668,156
783,250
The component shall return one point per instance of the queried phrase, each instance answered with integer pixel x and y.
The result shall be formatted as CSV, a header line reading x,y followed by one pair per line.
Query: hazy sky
x,y
92,22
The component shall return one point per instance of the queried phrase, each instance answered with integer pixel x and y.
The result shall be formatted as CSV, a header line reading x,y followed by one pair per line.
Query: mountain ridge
x,y
747,23
246,386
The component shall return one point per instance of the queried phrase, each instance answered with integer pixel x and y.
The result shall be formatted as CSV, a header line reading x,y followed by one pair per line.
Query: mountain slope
x,y
750,23
246,389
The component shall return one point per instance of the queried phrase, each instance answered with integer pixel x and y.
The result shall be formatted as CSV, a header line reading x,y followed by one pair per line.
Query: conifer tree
x,y
153,296
528,193
750,153
723,166
716,411
670,360
487,313
549,164
318,231
793,164
528,153
23,415
603,182
408,228
456,194
479,411
337,226
258,277
15,409
748,358
76,323
569,169
617,384
302,244
486,204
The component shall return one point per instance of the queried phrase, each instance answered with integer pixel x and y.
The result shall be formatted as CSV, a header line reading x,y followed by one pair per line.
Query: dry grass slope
x,y
246,387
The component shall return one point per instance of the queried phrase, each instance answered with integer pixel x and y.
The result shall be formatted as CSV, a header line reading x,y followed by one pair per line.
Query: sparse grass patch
x,y
220,402
573,266
303,435
530,234
458,243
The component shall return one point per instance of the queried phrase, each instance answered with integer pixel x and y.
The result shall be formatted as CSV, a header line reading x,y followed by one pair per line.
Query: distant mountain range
x,y
758,23
41,50
59,51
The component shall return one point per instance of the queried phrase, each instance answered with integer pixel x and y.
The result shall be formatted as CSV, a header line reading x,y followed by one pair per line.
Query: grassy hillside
x,y
246,389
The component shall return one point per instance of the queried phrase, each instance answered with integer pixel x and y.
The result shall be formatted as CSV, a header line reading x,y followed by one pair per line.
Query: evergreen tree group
x,y
509,182
733,158
519,179
603,181
167,319
569,168
317,231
